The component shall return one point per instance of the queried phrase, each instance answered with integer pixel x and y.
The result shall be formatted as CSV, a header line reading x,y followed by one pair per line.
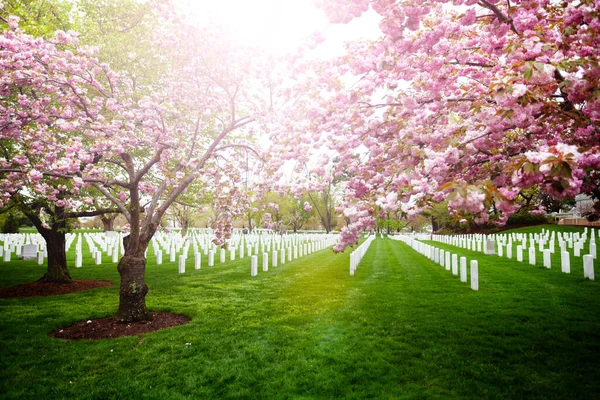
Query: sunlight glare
x,y
276,26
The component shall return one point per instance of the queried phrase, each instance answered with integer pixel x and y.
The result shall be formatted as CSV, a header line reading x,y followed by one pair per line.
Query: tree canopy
x,y
462,101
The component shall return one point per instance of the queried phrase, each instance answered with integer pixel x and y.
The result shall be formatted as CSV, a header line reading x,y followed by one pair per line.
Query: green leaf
x,y
539,66
508,114
527,74
566,171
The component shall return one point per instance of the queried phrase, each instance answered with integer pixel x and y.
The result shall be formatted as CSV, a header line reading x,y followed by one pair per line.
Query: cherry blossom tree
x,y
140,148
467,101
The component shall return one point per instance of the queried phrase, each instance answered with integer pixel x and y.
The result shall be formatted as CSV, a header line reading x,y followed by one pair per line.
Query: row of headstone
x,y
545,243
245,245
28,246
357,255
278,256
292,252
450,261
98,244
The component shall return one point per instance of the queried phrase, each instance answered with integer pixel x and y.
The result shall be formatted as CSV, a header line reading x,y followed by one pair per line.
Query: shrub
x,y
524,218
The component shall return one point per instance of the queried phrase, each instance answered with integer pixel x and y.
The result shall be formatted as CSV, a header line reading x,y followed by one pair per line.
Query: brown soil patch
x,y
33,289
110,328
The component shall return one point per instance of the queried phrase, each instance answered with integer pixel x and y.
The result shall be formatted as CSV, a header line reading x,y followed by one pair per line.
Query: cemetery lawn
x,y
402,327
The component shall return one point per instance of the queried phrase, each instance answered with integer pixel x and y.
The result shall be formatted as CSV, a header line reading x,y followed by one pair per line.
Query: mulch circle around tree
x,y
33,289
106,328
103,328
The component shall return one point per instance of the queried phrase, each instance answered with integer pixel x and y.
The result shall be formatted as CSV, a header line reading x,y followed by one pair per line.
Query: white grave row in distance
x,y
517,243
357,255
201,241
27,246
111,244
291,254
446,259
246,243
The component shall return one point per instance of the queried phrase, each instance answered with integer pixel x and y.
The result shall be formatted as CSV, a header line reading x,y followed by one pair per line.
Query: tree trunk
x,y
132,296
185,223
55,238
108,222
434,224
57,258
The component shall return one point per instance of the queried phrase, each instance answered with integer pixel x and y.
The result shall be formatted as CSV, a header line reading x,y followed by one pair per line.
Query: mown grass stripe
x,y
402,327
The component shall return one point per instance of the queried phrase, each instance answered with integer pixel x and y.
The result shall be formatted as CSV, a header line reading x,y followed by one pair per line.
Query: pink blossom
x,y
469,18
35,175
307,206
538,212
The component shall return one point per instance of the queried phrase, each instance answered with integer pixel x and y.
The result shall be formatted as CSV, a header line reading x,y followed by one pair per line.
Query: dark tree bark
x,y
185,224
325,215
133,290
55,237
58,270
54,234
435,226
108,222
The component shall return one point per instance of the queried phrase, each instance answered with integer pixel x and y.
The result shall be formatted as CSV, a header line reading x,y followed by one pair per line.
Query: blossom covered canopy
x,y
468,101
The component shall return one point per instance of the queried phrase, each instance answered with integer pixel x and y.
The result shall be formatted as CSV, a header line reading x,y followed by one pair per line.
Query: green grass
x,y
402,327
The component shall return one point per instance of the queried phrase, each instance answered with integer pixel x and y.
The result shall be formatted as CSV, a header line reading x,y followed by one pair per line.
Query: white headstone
x,y
274,258
447,262
222,256
588,267
181,264
211,258
78,258
98,258
197,260
442,257
463,269
547,259
40,258
115,254
265,261
29,252
532,255
490,247
454,264
520,253
159,257
254,266
565,262
474,275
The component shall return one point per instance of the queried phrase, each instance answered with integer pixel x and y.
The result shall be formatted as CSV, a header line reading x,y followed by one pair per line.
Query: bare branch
x,y
501,17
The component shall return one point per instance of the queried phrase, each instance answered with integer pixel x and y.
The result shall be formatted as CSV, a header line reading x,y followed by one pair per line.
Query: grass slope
x,y
403,327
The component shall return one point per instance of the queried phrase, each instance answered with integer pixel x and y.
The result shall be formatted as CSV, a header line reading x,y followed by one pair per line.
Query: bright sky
x,y
279,25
